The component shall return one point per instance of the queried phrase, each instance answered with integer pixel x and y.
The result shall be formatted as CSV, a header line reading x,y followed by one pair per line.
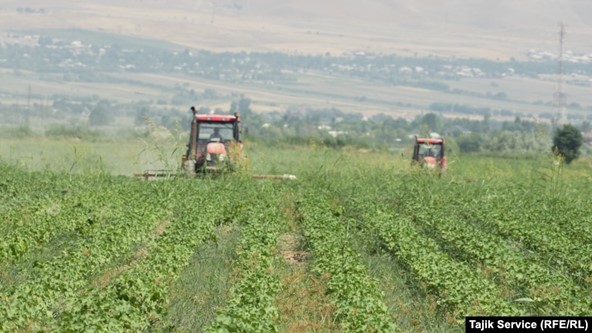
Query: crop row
x,y
539,231
26,231
21,189
357,297
551,291
479,247
460,289
137,298
251,307
52,283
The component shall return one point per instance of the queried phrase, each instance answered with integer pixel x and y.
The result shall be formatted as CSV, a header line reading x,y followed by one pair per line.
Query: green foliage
x,y
84,252
432,122
567,142
251,307
19,132
358,300
469,143
101,114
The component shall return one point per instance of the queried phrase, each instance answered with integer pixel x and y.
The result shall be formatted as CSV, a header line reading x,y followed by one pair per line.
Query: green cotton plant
x,y
358,300
88,252
251,307
103,239
503,260
492,226
457,286
140,294
555,230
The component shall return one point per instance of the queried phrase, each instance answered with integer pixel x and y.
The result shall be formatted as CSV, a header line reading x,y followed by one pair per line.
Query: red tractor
x,y
215,146
429,152
214,143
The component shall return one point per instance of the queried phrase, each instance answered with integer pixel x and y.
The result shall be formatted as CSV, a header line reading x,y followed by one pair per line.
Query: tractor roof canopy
x,y
216,118
430,141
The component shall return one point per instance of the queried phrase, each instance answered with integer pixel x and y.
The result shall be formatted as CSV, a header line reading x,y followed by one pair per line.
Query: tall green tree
x,y
101,114
567,142
432,122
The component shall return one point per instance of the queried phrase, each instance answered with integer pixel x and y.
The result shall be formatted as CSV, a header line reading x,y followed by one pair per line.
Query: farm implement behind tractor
x,y
215,147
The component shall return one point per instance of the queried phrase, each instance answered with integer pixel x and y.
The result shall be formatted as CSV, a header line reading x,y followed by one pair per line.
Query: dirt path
x,y
302,301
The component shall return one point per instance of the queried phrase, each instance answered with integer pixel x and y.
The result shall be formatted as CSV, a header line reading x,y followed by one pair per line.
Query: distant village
x,y
57,54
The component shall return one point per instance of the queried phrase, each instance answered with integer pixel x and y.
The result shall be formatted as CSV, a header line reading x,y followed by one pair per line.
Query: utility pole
x,y
560,98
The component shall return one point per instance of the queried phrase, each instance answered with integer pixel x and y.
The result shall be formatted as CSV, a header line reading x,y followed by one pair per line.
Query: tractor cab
x,y
429,152
214,141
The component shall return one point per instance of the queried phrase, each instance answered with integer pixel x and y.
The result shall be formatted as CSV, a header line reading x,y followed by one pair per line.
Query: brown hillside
x,y
475,28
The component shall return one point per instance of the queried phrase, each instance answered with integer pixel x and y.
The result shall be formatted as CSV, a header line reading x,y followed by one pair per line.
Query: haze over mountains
x,y
499,29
